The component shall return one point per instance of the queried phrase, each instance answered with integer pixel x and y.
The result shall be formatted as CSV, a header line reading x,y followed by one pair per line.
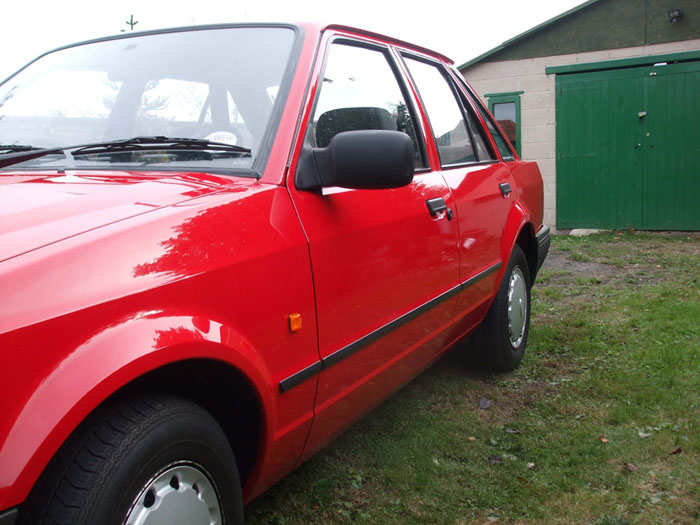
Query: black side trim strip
x,y
370,338
479,276
300,376
9,516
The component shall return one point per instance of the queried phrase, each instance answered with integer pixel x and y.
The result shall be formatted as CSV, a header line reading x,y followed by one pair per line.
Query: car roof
x,y
314,28
377,36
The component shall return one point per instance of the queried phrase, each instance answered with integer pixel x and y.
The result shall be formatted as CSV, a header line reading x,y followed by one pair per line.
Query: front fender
x,y
98,367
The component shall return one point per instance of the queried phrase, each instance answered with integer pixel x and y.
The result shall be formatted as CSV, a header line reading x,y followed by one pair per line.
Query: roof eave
x,y
525,34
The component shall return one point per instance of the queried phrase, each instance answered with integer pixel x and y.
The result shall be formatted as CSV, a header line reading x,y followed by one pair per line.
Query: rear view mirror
x,y
363,159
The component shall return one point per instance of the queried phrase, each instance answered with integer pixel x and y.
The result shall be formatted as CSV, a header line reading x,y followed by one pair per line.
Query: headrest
x,y
336,121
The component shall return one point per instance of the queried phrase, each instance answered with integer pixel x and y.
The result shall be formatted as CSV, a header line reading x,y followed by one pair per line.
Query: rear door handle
x,y
435,206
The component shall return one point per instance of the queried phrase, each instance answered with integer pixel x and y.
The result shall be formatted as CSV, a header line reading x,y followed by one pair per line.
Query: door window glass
x,y
360,91
451,134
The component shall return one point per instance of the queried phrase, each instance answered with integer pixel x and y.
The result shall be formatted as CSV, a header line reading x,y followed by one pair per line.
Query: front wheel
x,y
502,336
144,461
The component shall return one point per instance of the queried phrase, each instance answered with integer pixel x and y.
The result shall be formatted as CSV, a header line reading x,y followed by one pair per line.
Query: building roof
x,y
526,34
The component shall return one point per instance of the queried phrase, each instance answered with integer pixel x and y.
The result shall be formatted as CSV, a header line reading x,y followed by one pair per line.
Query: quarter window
x,y
360,91
501,141
482,147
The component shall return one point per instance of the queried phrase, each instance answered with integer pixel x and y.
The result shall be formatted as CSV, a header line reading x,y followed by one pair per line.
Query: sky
x,y
459,29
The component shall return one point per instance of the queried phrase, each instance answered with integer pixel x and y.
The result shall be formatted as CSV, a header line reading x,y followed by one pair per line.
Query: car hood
x,y
38,209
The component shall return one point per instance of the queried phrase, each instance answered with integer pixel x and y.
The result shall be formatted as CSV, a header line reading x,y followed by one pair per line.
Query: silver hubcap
x,y
181,494
517,307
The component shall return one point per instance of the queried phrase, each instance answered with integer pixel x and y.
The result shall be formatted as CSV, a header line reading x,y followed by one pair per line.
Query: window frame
x,y
503,98
458,95
386,50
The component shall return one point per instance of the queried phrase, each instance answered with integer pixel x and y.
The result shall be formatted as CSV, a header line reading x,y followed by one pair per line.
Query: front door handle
x,y
505,189
435,206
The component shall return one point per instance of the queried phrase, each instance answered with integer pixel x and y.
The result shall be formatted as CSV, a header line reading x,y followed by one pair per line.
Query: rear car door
x,y
479,183
385,269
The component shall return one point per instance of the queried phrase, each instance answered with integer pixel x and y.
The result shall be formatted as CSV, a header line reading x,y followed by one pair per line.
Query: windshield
x,y
218,85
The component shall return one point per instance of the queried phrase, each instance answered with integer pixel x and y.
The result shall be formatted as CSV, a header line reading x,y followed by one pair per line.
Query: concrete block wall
x,y
537,103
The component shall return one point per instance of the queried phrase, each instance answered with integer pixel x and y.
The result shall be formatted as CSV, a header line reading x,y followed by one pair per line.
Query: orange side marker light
x,y
294,322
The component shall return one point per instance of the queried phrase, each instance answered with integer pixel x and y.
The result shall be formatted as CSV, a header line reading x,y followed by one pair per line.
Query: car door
x,y
385,269
478,181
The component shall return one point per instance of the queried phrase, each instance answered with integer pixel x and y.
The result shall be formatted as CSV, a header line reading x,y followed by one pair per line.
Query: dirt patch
x,y
557,261
619,262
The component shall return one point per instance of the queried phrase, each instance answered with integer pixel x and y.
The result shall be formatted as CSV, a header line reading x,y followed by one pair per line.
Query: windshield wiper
x,y
133,144
13,148
8,159
150,143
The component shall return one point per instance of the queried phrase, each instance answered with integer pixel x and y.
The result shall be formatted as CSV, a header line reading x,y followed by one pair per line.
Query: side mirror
x,y
362,159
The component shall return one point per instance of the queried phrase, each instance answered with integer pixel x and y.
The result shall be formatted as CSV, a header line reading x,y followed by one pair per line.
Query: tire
x,y
501,338
130,455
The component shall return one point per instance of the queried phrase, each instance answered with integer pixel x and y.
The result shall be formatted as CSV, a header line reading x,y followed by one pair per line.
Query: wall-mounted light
x,y
675,15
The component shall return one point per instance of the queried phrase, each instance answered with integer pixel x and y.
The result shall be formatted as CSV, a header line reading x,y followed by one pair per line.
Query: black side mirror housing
x,y
362,159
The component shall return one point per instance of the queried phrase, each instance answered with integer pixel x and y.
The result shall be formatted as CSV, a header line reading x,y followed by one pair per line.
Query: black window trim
x,y
384,49
404,53
414,102
469,164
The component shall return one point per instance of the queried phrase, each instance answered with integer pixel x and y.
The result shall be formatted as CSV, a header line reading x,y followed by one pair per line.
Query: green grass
x,y
613,354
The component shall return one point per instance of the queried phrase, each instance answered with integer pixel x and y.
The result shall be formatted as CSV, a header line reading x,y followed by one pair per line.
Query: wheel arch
x,y
527,242
199,365
220,389
520,230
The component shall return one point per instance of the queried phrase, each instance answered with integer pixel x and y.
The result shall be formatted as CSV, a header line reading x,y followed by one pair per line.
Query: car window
x,y
483,149
72,104
500,140
360,91
166,104
151,85
452,137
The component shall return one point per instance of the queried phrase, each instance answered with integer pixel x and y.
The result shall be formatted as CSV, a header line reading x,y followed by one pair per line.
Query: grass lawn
x,y
600,424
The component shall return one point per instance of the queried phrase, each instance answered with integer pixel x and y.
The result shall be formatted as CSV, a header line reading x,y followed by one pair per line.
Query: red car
x,y
222,245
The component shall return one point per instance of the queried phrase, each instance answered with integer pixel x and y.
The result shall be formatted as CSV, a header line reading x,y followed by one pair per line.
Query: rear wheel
x,y
149,460
502,336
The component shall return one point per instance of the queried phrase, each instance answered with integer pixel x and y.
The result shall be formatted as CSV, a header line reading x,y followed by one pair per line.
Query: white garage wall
x,y
537,114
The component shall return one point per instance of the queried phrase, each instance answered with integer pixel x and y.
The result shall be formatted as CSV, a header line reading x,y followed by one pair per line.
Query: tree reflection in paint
x,y
200,243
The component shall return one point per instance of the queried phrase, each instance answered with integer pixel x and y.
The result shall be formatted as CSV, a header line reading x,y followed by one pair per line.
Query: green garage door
x,y
628,148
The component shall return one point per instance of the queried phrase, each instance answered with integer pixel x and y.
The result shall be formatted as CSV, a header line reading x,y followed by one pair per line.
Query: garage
x,y
606,98
628,145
